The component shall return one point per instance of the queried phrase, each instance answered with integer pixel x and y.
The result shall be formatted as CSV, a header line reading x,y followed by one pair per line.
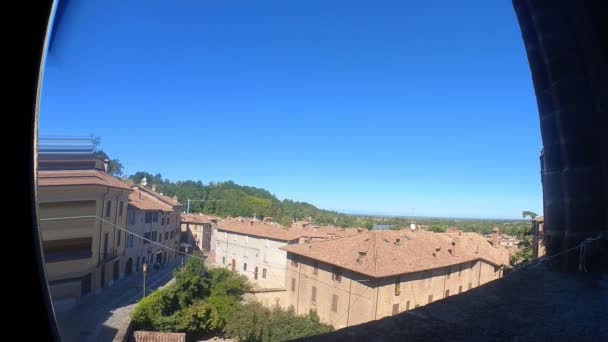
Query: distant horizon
x,y
341,211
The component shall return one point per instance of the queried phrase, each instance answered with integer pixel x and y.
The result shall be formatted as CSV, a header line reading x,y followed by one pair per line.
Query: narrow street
x,y
105,316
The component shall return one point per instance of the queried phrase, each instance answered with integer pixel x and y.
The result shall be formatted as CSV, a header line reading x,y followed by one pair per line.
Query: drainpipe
x,y
298,295
376,309
350,286
103,210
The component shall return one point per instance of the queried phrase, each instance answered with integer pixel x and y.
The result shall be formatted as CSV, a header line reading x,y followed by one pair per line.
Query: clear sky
x,y
357,106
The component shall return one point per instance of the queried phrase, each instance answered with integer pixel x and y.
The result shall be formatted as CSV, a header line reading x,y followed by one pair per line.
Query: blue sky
x,y
357,106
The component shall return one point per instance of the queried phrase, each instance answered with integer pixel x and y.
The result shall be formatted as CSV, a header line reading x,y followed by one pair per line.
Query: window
x,y
447,293
337,275
264,273
293,284
122,203
130,216
255,274
294,261
160,237
460,289
119,237
162,221
67,249
398,286
334,303
245,267
313,296
395,309
154,236
129,240
315,270
108,208
166,235
147,238
148,217
470,286
223,260
407,305
430,299
155,217
168,220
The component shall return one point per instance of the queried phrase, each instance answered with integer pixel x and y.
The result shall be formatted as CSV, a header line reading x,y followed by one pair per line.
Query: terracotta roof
x,y
199,218
166,199
155,336
144,201
414,251
325,232
271,230
539,219
79,177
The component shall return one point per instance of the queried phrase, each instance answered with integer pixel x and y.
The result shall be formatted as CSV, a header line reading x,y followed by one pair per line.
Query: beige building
x,y
152,216
252,248
79,211
196,230
538,237
375,274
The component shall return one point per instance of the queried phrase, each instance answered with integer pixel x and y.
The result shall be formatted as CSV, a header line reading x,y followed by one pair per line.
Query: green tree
x,y
530,214
115,167
435,227
253,323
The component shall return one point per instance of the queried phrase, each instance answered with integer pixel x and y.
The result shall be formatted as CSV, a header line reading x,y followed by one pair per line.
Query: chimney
x,y
106,163
175,198
154,187
362,256
495,233
144,181
436,253
453,249
397,241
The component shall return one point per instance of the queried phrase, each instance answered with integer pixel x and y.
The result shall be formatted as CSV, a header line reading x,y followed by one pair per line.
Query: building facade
x,y
197,229
79,213
538,237
252,248
155,217
376,274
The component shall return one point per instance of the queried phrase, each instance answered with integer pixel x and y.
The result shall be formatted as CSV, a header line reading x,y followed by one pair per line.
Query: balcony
x,y
111,254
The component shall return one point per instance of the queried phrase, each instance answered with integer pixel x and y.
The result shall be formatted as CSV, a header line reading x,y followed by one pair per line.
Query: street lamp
x,y
145,270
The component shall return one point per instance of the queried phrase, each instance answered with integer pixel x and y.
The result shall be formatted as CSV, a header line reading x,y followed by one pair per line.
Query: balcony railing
x,y
111,254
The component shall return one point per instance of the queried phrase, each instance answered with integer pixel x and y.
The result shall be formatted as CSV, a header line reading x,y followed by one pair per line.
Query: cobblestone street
x,y
105,316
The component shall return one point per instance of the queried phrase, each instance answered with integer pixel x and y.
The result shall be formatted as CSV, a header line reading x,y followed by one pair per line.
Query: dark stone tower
x,y
567,49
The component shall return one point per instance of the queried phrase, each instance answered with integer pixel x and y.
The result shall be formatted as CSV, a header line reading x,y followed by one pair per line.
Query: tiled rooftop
x,y
79,177
385,253
271,230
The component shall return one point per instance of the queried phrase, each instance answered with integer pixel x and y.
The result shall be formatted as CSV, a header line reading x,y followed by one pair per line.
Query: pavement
x,y
105,316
